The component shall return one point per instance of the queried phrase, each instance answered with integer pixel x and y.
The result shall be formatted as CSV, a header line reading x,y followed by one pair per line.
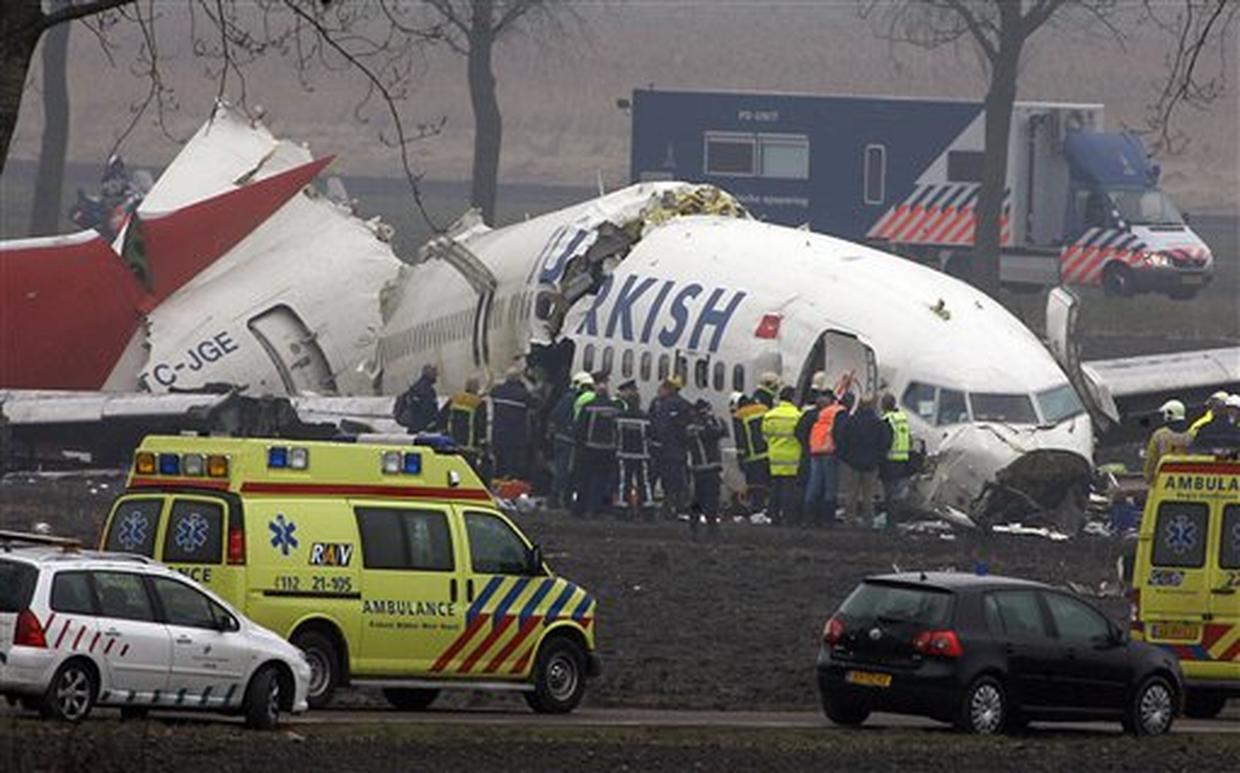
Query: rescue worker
x,y
822,486
669,421
464,417
862,443
633,427
1214,403
417,408
511,403
783,456
751,450
595,454
767,392
563,438
704,433
1171,438
1223,431
895,470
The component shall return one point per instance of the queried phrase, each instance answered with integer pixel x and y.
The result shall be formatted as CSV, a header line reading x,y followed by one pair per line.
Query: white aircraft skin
x,y
699,286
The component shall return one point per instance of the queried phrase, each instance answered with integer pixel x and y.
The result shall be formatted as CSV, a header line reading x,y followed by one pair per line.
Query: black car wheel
x,y
842,712
262,700
1117,280
984,708
410,700
1200,704
71,695
1152,709
559,677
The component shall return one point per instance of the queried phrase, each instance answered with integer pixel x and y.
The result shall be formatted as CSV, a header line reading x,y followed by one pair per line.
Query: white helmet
x,y
1233,401
1172,410
734,400
583,379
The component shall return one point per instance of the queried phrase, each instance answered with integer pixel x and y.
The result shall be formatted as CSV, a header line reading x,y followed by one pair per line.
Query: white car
x,y
81,628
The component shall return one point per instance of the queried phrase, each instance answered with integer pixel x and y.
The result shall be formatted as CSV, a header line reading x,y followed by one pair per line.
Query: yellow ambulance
x,y
387,563
1186,578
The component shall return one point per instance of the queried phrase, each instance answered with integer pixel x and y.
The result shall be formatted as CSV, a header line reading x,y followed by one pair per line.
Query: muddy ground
x,y
730,622
104,746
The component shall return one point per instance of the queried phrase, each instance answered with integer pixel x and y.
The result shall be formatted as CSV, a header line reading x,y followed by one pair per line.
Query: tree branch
x,y
975,28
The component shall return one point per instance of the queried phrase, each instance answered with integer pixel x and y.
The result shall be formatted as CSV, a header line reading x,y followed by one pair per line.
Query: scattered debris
x,y
1030,531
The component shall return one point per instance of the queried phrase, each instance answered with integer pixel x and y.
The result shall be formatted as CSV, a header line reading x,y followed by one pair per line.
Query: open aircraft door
x,y
1062,310
294,351
848,362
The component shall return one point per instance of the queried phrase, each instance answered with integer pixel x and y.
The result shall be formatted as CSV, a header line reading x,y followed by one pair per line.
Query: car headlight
x,y
1157,260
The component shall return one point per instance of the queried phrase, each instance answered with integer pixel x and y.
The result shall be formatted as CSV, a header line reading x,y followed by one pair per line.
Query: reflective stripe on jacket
x,y
901,440
779,429
751,445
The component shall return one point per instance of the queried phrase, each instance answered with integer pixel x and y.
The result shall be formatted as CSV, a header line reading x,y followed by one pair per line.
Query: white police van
x,y
84,628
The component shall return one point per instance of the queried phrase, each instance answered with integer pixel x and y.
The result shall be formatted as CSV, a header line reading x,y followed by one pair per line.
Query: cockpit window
x,y
1059,403
1010,408
919,398
952,407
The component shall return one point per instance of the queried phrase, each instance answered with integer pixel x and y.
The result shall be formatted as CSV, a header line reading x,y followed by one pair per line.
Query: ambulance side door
x,y
1225,584
411,586
193,541
505,593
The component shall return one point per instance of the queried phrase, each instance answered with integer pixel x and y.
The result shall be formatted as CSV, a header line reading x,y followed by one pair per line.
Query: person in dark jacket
x,y
633,426
669,421
704,434
862,442
1222,432
417,408
511,403
563,440
595,453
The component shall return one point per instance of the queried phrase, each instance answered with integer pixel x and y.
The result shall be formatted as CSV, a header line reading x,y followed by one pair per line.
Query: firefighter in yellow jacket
x,y
464,418
751,452
784,457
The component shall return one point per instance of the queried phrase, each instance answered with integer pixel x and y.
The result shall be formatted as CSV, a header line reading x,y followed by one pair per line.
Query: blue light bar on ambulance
x,y
413,464
169,464
277,457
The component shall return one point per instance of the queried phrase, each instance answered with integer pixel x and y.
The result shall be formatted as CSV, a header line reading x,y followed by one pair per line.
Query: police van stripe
x,y
583,607
535,599
487,591
565,595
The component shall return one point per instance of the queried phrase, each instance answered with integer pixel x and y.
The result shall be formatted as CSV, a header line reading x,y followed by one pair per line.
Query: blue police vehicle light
x,y
413,464
277,456
169,464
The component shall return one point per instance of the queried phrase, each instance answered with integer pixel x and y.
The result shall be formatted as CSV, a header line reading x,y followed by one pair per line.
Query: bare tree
x,y
999,30
473,29
228,35
50,177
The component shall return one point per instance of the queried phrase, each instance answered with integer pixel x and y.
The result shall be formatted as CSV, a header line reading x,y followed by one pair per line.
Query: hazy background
x,y
558,93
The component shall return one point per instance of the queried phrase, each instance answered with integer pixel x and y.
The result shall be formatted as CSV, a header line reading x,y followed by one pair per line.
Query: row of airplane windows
x,y
644,367
454,327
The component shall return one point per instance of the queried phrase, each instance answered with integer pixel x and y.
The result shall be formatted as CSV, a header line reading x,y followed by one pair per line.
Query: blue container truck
x,y
1082,206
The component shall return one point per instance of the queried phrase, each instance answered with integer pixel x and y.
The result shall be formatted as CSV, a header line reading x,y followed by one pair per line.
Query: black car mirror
x,y
227,624
534,563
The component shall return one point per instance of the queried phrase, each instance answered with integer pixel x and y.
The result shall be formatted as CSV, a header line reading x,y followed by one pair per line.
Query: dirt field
x,y
727,623
107,745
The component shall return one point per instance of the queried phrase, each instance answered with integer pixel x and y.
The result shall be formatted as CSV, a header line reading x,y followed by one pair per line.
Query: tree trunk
x,y
19,33
488,125
1000,99
49,181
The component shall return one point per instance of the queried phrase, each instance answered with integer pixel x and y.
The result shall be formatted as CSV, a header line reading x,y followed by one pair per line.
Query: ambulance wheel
x,y
324,663
410,700
1117,280
262,700
559,677
1201,704
71,695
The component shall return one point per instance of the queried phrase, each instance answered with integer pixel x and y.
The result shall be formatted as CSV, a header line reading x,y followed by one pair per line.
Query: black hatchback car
x,y
989,654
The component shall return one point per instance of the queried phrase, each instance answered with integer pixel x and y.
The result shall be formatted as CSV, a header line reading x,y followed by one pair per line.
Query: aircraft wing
x,y
1171,375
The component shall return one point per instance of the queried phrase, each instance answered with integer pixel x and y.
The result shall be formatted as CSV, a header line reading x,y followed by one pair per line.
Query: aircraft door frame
x,y
818,358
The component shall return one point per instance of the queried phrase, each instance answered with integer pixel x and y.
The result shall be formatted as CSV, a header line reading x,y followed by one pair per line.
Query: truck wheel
x,y
71,694
324,666
984,708
1117,280
559,677
1201,704
262,700
843,713
410,700
1152,709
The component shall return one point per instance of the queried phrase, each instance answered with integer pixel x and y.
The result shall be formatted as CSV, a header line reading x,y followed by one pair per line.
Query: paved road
x,y
665,718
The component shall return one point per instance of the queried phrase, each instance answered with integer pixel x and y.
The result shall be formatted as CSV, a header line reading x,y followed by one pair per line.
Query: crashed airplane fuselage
x,y
232,270
669,278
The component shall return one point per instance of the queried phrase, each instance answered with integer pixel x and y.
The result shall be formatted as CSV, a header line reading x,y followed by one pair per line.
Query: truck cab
x,y
1122,230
